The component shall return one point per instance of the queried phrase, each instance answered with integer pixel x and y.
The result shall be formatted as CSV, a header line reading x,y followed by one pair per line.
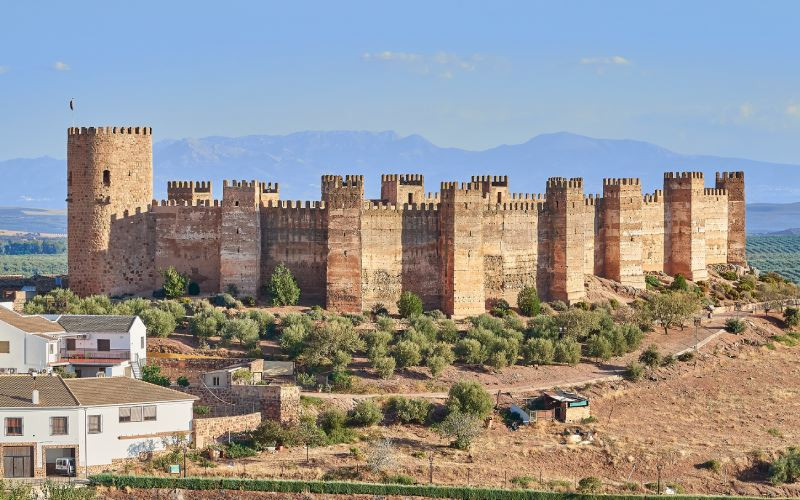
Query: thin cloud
x,y
61,66
746,110
4,69
605,61
793,110
445,65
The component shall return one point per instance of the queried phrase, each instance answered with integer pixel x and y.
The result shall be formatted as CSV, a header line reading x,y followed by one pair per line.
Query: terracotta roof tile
x,y
121,390
16,392
30,324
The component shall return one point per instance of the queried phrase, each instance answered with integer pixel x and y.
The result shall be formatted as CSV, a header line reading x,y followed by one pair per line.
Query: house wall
x,y
26,351
36,432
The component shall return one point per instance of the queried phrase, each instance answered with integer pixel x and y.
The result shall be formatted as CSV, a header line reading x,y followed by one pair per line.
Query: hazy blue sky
x,y
697,77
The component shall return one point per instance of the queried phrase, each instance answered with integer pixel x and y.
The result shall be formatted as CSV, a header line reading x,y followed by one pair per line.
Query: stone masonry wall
x,y
207,431
653,232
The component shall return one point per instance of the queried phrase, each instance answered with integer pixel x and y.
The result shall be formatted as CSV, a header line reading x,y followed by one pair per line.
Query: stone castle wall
x,y
460,249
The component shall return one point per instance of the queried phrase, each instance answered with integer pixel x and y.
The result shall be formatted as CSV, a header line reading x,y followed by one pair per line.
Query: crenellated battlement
x,y
269,187
404,179
683,175
622,181
492,180
196,186
563,183
730,175
656,196
527,196
109,130
240,184
715,192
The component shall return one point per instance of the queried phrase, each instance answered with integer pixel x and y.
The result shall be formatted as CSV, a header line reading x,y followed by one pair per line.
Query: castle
x,y
459,249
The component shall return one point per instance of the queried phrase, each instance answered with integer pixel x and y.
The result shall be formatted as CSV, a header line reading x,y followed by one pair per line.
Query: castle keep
x,y
459,249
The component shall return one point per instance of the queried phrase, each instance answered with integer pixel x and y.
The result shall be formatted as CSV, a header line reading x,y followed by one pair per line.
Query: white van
x,y
65,466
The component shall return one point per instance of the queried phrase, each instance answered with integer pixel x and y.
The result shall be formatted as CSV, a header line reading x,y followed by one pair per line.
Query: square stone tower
x,y
621,231
565,204
733,182
343,199
684,225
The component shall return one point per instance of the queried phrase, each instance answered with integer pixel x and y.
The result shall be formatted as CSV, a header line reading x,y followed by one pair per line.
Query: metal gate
x,y
18,461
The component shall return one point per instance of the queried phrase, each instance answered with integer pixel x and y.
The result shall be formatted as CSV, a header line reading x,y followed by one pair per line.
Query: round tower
x,y
109,171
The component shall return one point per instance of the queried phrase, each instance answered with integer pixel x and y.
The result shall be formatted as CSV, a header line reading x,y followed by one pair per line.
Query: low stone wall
x,y
193,368
275,402
208,430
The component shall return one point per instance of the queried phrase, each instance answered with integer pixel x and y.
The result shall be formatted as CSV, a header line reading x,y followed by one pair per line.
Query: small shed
x,y
568,406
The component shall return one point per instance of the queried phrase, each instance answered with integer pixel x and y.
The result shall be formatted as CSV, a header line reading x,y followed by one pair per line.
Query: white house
x,y
115,345
82,344
92,420
27,343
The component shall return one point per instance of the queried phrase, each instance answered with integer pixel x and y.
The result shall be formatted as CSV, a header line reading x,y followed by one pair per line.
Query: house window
x,y
149,412
95,424
125,414
51,348
106,178
13,426
215,381
410,198
136,413
103,344
142,342
5,347
70,344
58,426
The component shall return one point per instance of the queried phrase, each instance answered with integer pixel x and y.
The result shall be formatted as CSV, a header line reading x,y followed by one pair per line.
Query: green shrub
x,y
194,289
152,374
501,308
401,479
785,468
52,491
332,419
729,275
365,413
686,356
650,357
159,323
567,351
522,481
735,325
409,411
243,330
384,366
634,371
237,450
470,351
538,351
559,305
282,288
409,304
182,381
652,281
175,283
599,347
379,309
437,364
679,283
306,380
713,465
225,300
590,485
528,301
201,410
249,301
791,316
407,353
469,397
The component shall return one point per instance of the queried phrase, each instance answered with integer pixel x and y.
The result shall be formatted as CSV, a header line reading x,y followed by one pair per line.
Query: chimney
x,y
35,397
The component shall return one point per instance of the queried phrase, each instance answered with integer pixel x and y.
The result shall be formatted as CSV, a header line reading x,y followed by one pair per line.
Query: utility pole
x,y
430,470
658,484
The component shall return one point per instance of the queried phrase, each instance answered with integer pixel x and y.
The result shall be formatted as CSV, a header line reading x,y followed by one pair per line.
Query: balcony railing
x,y
94,354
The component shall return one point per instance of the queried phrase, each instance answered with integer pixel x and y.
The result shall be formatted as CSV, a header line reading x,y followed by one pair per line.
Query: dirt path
x,y
547,377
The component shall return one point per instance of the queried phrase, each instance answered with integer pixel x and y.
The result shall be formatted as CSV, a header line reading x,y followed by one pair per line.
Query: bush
x,y
201,410
249,301
332,419
528,302
409,411
384,366
406,353
713,465
152,374
567,351
559,305
791,316
379,309
306,380
679,283
159,323
501,308
785,468
462,427
650,357
590,485
634,371
538,351
194,289
437,364
401,479
409,304
238,450
652,281
599,347
686,356
282,289
243,330
225,300
182,381
175,283
470,351
735,325
365,413
175,308
469,397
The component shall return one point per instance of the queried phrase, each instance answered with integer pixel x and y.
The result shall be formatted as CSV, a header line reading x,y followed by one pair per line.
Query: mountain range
x,y
297,161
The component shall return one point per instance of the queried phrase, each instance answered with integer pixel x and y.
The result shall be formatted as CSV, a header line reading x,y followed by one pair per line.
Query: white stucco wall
x,y
26,351
114,442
